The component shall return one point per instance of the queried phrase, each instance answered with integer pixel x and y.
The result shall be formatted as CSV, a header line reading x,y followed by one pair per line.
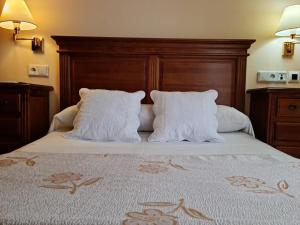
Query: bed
x,y
243,181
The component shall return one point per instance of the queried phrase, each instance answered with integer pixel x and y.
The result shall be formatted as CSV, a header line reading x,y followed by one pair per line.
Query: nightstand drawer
x,y
10,103
287,132
289,107
10,127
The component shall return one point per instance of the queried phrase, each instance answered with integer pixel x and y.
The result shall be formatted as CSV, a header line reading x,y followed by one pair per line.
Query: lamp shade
x,y
16,12
290,21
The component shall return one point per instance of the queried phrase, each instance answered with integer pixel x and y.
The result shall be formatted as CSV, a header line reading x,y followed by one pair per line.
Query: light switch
x,y
38,70
294,76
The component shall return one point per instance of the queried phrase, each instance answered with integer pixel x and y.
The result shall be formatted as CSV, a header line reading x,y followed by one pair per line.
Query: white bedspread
x,y
132,189
63,181
236,143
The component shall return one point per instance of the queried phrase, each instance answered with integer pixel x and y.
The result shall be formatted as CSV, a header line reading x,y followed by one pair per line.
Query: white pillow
x,y
185,116
146,118
229,119
64,119
108,116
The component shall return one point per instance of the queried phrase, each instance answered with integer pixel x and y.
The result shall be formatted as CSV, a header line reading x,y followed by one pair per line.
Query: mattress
x,y
62,181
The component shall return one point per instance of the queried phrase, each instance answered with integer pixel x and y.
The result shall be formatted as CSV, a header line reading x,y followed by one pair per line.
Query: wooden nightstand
x,y
24,114
275,115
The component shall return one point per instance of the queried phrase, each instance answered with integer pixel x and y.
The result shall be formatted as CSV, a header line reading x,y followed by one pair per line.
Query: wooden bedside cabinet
x,y
24,114
275,115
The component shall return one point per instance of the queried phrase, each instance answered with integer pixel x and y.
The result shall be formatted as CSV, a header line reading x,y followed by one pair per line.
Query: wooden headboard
x,y
132,64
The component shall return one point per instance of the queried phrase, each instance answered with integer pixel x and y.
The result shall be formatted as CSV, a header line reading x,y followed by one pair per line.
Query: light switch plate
x,y
38,70
294,76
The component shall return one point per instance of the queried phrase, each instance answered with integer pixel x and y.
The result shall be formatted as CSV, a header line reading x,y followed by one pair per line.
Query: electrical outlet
x,y
38,70
294,77
272,76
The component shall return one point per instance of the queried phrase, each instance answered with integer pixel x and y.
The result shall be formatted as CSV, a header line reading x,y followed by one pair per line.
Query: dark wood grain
x,y
24,114
114,73
275,116
200,74
287,133
133,64
10,103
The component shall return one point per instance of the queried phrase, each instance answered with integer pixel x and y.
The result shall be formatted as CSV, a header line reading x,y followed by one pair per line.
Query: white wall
x,y
251,19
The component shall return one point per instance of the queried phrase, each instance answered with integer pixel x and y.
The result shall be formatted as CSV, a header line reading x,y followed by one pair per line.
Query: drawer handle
x,y
292,107
4,102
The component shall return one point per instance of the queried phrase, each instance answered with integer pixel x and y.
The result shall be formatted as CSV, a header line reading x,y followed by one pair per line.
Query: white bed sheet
x,y
236,143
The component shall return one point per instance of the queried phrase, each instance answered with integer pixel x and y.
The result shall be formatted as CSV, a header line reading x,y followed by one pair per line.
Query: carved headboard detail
x,y
132,64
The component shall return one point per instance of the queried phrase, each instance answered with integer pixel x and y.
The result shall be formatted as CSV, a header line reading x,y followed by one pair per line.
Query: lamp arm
x,y
24,39
295,36
37,44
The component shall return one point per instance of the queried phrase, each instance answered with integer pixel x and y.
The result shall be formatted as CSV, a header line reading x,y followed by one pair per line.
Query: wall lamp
x,y
17,17
289,26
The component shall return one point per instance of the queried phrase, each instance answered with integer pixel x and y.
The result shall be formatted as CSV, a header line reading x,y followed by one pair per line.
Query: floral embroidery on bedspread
x,y
150,217
154,216
68,180
156,167
258,186
9,161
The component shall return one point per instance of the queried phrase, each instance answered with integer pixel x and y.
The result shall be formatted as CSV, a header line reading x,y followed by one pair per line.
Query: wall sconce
x,y
17,17
289,26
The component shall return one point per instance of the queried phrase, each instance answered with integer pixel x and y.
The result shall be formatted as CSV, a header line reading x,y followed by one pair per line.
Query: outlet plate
x,y
294,76
38,70
272,76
